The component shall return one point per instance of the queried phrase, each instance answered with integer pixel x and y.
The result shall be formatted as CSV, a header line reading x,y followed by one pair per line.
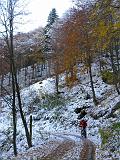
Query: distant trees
x,y
28,54
28,57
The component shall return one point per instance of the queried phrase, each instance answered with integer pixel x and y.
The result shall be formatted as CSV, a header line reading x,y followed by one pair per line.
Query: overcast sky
x,y
40,10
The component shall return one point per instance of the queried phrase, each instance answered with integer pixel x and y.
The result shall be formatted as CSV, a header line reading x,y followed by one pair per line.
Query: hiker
x,y
83,125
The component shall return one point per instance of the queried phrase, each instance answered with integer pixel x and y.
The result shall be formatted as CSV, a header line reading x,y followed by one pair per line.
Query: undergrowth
x,y
50,101
108,133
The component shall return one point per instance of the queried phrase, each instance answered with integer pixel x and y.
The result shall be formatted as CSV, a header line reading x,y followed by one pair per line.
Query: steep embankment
x,y
51,114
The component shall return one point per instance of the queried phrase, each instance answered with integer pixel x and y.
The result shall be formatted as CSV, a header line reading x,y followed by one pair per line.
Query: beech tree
x,y
87,47
56,58
75,42
65,41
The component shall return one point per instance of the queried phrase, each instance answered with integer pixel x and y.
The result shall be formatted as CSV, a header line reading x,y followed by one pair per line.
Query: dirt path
x,y
67,149
60,151
88,150
38,152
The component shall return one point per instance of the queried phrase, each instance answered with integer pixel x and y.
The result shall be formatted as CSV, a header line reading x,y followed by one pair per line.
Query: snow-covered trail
x,y
54,149
64,147
68,147
60,151
88,150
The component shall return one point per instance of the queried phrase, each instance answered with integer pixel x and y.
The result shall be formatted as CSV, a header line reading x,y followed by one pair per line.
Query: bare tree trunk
x,y
57,82
14,115
33,71
49,67
18,74
92,86
42,68
22,115
25,75
71,72
36,73
2,74
9,14
117,59
15,74
31,128
89,61
2,79
117,54
99,57
114,69
100,64
18,91
9,78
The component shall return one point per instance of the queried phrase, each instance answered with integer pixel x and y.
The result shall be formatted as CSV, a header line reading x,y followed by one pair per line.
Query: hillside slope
x,y
58,116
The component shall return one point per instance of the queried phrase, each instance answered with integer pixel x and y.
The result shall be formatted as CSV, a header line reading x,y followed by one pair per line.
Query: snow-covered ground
x,y
49,120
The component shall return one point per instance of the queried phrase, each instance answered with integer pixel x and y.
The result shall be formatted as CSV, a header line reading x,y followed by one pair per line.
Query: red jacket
x,y
83,123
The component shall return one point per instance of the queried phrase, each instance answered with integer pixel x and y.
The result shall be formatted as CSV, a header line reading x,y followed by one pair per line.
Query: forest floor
x,y
48,116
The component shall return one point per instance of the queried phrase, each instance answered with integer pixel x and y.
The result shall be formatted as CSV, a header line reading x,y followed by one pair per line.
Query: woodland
x,y
87,34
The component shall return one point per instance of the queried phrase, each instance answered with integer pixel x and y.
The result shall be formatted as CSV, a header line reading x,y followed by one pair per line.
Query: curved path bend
x,y
67,149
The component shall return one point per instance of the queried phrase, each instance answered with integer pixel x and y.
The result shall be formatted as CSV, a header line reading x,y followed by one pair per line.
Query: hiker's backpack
x,y
83,123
